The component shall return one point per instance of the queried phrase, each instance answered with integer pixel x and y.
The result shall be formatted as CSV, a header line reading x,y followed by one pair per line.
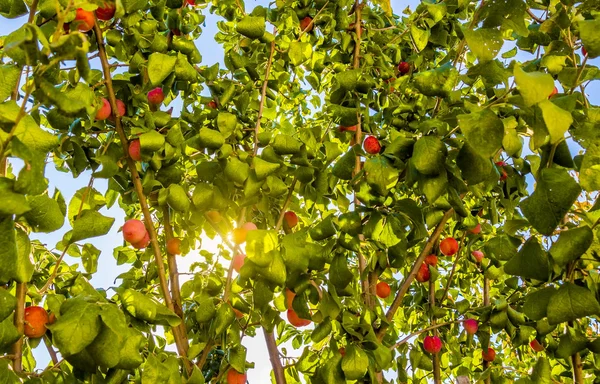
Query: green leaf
x,y
571,302
275,271
533,86
570,343
531,262
324,229
355,363
159,67
210,138
237,358
178,198
344,167
90,224
571,245
237,170
381,176
588,32
8,336
9,75
589,172
340,276
485,43
77,327
8,303
15,253
419,36
154,371
226,122
45,214
286,145
557,120
12,203
385,5
500,248
252,27
542,372
106,347
536,303
32,136
89,257
438,81
299,52
484,131
555,193
12,9
474,167
429,155
263,168
146,308
261,245
224,318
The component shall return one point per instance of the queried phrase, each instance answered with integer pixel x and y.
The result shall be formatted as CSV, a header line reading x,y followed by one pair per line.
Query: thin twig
x,y
424,330
51,350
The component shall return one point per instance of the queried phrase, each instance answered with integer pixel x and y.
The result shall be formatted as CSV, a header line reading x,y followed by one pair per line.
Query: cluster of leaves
x,y
468,141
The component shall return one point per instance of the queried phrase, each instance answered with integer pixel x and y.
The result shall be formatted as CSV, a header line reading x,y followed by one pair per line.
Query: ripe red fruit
x,y
476,230
36,319
372,145
383,289
536,346
135,150
104,112
305,24
404,67
134,231
121,108
234,377
342,351
238,261
502,164
142,243
291,219
156,96
478,255
432,344
423,274
239,235
295,320
583,51
173,246
449,246
191,2
490,355
84,20
289,298
431,260
554,92
212,104
106,12
471,326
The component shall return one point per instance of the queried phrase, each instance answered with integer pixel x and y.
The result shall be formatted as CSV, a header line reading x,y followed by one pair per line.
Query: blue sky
x,y
108,270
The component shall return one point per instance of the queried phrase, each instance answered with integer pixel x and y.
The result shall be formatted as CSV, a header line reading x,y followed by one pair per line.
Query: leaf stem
x,y
17,348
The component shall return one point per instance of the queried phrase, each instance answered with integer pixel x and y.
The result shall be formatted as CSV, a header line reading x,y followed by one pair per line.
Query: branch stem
x,y
137,184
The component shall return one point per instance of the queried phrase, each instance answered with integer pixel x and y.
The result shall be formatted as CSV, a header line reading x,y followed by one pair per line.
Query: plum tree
x,y
393,136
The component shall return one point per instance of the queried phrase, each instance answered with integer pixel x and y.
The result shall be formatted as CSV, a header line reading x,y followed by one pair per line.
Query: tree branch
x,y
137,183
413,273
436,357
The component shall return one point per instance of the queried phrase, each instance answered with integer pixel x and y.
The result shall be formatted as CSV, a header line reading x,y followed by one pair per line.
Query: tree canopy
x,y
401,195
